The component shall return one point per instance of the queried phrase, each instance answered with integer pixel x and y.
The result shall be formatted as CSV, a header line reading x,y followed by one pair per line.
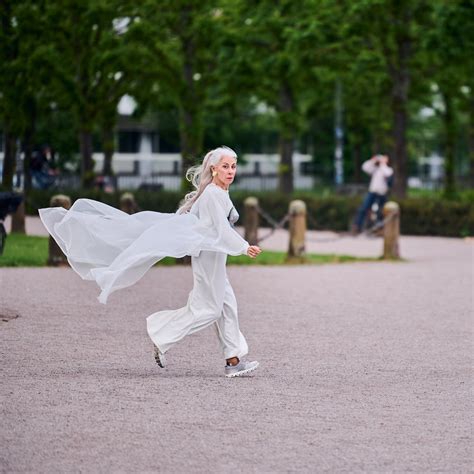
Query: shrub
x,y
420,216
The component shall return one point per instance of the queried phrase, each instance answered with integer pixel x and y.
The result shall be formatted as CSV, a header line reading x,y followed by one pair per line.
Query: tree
x,y
89,60
10,88
367,112
450,60
179,43
282,55
22,91
393,29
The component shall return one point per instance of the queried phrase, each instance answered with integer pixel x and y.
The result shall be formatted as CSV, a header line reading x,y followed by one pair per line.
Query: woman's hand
x,y
253,251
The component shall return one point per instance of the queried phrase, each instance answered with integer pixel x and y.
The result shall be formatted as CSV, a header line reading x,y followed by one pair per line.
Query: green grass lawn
x,y
268,257
29,251
24,251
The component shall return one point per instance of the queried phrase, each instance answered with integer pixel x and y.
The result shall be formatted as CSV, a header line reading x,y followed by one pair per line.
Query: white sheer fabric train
x,y
115,249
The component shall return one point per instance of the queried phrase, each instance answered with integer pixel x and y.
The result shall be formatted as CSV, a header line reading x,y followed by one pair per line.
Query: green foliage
x,y
281,54
88,57
254,75
419,216
437,217
179,46
268,257
449,57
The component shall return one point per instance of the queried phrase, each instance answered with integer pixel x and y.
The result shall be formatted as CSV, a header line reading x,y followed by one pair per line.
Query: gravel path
x,y
364,368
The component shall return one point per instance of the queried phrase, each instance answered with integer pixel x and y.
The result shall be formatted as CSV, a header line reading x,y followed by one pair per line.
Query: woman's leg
x,y
204,306
232,341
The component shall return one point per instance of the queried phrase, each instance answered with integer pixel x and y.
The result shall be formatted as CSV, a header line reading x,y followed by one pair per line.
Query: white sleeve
x,y
212,209
368,166
386,170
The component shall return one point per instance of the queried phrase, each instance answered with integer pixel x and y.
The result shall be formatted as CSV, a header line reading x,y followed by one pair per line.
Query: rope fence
x,y
381,224
273,223
298,217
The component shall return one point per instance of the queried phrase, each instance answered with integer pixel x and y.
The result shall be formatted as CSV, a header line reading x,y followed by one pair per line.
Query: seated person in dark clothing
x,y
42,168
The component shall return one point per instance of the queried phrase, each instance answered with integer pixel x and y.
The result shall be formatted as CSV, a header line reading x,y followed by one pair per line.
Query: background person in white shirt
x,y
380,173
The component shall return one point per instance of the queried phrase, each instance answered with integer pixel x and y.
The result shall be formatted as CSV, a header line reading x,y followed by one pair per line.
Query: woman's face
x,y
226,169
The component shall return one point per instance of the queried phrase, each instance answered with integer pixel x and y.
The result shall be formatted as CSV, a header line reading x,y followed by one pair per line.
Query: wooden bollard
x,y
297,247
18,219
391,231
56,256
128,204
251,220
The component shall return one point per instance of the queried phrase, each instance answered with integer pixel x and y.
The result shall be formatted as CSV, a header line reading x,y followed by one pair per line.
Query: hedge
x,y
419,216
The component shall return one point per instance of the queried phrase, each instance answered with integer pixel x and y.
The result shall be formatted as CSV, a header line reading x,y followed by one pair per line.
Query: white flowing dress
x,y
115,249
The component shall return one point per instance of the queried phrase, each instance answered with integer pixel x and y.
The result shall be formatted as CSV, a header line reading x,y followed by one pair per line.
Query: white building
x,y
430,173
147,169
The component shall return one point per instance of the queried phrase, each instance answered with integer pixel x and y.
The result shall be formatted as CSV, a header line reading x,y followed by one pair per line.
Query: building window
x,y
128,142
176,168
155,142
307,168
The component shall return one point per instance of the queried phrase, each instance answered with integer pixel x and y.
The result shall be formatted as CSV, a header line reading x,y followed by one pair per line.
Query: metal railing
x,y
172,181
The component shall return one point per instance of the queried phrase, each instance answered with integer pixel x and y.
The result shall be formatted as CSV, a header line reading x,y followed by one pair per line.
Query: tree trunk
x,y
377,142
191,138
10,51
471,139
356,157
28,149
108,147
191,108
400,146
87,163
450,138
9,160
28,146
286,165
287,138
400,76
18,219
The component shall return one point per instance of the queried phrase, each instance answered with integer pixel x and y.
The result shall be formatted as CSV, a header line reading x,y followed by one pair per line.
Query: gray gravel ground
x,y
364,368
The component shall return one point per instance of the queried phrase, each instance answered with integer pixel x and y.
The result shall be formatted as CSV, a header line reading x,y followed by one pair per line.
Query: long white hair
x,y
201,175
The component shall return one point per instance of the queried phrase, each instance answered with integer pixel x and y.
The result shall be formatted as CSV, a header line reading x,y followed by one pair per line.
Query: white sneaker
x,y
242,368
160,358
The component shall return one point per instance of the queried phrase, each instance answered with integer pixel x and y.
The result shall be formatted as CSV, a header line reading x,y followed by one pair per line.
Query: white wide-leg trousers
x,y
211,301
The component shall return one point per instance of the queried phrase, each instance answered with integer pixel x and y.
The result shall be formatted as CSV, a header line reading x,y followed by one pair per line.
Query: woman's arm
x,y
212,208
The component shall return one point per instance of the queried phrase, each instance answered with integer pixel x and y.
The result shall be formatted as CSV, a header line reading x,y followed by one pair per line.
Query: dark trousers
x,y
42,179
369,200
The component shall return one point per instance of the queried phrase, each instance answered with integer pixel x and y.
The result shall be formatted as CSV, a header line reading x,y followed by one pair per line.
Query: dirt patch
x,y
8,314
